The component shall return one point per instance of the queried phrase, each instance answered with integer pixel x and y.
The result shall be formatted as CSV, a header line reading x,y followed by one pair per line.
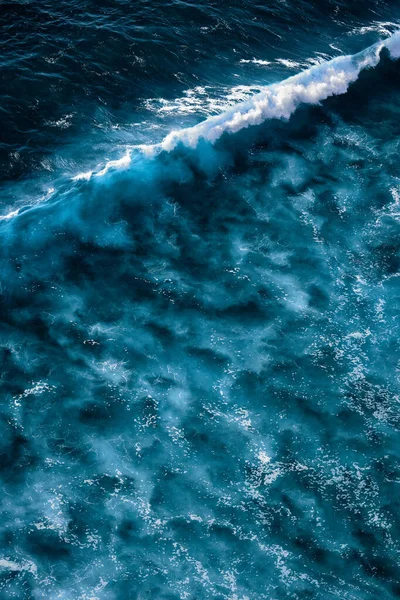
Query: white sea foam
x,y
381,27
120,163
289,64
83,176
11,565
9,215
207,100
256,61
393,45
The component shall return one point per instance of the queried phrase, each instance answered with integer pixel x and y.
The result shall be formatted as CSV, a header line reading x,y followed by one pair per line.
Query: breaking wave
x,y
277,101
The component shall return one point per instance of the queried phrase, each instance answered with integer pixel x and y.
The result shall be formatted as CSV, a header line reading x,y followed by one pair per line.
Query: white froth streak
x,y
120,163
9,215
10,565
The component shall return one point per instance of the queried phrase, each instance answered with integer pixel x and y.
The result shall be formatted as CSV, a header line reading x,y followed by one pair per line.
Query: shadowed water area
x,y
199,347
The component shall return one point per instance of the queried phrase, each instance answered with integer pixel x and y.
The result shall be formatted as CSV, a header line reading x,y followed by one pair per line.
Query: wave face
x,y
199,350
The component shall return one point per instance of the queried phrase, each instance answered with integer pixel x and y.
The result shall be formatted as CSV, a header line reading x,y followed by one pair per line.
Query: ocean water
x,y
199,300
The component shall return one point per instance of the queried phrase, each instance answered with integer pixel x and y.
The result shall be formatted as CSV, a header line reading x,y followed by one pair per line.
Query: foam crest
x,y
393,45
9,215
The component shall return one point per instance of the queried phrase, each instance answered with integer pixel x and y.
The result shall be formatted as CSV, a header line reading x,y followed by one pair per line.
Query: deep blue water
x,y
199,350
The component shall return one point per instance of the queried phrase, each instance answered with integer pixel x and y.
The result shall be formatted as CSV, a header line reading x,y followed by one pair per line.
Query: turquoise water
x,y
199,349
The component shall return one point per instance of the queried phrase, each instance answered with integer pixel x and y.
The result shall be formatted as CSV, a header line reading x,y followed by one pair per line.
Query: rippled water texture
x,y
199,330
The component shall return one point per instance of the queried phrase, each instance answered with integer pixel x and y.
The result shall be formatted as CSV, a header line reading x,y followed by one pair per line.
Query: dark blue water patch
x,y
200,368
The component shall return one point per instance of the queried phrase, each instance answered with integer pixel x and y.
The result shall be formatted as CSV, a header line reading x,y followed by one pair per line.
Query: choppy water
x,y
199,329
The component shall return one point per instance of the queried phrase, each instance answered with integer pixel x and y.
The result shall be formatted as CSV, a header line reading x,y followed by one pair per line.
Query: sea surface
x,y
199,300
